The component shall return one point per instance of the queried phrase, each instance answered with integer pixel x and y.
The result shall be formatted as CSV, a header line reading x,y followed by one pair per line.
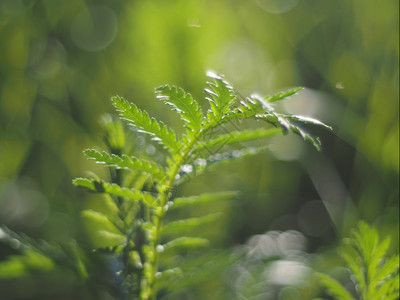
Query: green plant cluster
x,y
142,192
137,223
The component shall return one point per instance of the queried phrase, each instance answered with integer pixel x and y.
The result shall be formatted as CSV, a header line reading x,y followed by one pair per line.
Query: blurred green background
x,y
61,61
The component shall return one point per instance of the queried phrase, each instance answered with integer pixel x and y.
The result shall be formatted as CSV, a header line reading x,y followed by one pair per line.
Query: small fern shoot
x,y
142,188
376,276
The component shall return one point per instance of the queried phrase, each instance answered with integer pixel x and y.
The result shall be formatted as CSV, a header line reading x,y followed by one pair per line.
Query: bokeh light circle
x,y
94,29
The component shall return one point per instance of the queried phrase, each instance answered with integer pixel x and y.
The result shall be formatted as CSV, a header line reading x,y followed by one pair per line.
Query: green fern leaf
x,y
388,289
170,274
389,267
375,264
114,189
184,104
125,161
114,132
300,131
247,109
377,276
103,232
335,288
280,120
185,242
144,226
203,198
220,96
315,141
215,160
218,159
351,258
110,206
18,265
266,112
41,255
306,120
141,120
100,221
282,95
237,137
199,268
112,237
189,224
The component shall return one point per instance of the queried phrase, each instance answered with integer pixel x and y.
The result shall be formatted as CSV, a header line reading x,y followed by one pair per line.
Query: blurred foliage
x,y
374,275
60,62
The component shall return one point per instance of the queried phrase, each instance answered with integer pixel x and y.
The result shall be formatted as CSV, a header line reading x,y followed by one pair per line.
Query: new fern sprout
x,y
141,193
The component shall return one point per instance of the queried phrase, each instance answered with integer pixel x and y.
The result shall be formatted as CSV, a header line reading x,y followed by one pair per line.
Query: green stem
x,y
149,291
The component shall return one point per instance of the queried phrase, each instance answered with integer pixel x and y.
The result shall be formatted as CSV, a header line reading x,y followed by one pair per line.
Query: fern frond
x,y
335,288
389,267
115,137
306,120
201,165
351,257
248,108
43,253
237,137
294,127
100,221
18,265
257,108
203,198
283,95
112,237
281,120
377,276
265,111
220,96
375,264
388,289
231,156
185,242
114,189
199,268
105,233
142,121
110,206
127,162
314,140
184,104
169,274
139,214
188,224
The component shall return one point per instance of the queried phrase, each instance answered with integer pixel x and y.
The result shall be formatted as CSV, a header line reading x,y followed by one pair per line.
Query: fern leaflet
x,y
237,137
188,224
220,96
185,242
184,104
141,120
203,198
282,95
126,161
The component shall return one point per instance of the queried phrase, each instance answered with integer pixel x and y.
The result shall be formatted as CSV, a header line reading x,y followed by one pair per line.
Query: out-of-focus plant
x,y
273,265
374,274
142,191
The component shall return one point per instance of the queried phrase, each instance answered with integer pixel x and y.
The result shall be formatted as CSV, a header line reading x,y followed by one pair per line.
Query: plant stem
x,y
151,266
